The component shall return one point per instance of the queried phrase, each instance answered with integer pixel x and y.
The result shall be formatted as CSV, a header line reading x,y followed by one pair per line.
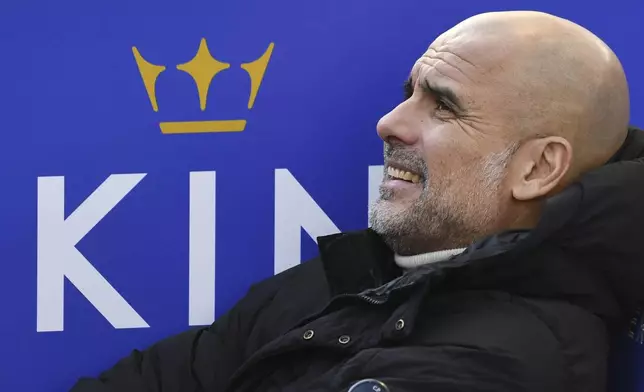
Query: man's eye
x,y
442,106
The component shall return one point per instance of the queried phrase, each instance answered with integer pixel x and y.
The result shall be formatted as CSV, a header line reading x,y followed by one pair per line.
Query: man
x,y
504,249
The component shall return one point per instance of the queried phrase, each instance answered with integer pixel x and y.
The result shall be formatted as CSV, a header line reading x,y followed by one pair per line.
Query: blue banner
x,y
158,157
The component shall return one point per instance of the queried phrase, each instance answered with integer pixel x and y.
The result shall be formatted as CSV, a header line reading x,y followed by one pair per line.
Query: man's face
x,y
446,153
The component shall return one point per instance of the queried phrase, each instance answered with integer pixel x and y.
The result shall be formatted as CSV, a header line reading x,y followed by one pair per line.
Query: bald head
x,y
556,77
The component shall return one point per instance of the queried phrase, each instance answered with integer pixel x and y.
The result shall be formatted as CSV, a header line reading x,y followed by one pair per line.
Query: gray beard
x,y
452,211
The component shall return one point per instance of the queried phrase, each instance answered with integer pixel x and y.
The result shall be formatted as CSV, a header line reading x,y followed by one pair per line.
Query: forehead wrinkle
x,y
430,72
450,55
438,63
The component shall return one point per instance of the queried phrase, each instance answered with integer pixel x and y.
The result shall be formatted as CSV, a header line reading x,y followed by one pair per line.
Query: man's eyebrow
x,y
442,93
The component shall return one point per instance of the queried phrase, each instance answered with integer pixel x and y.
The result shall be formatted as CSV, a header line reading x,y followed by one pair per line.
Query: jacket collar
x,y
356,261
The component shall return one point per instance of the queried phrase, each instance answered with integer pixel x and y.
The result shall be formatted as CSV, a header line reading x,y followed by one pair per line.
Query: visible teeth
x,y
403,175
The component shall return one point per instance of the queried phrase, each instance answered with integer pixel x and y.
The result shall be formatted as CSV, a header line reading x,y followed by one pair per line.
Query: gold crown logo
x,y
203,68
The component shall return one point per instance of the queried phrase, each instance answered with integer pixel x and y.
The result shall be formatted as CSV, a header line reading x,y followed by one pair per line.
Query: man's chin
x,y
387,216
400,243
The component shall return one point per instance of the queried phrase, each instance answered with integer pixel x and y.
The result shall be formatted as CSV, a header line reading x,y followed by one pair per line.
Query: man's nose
x,y
401,124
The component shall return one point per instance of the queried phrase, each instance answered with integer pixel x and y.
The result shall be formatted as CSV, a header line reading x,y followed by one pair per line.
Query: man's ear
x,y
542,165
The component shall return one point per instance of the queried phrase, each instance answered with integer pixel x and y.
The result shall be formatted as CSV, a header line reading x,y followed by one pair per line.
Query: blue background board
x,y
73,104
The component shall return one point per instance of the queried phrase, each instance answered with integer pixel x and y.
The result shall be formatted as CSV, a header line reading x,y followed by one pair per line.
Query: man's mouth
x,y
399,174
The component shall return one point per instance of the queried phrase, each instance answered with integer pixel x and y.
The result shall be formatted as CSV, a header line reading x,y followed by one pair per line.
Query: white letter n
x,y
295,210
58,257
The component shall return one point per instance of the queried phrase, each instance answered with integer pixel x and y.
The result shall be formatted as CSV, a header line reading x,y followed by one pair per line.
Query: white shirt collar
x,y
407,262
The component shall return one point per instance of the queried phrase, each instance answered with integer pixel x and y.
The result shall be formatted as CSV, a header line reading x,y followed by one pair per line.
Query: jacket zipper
x,y
373,301
382,299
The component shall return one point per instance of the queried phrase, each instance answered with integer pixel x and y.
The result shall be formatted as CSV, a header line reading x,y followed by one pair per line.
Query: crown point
x,y
149,73
203,67
256,71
